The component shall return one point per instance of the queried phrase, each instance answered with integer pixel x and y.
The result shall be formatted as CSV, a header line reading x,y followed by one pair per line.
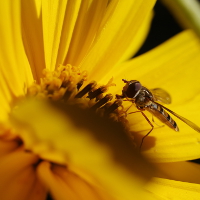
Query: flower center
x,y
65,84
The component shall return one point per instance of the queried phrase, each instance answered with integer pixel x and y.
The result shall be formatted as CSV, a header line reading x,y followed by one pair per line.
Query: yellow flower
x,y
99,37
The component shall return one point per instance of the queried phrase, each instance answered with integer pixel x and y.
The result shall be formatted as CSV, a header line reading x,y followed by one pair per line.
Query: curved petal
x,y
173,66
18,177
7,147
64,184
179,171
15,72
113,39
54,135
138,39
58,19
85,30
5,98
170,189
31,20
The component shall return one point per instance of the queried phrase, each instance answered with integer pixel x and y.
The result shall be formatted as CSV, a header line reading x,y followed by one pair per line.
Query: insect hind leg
x,y
152,126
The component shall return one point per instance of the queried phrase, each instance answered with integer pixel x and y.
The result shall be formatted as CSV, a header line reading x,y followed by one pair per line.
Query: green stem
x,y
187,13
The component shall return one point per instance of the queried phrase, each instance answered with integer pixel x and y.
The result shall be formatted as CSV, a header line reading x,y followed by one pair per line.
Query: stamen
x,y
68,93
103,101
97,92
86,89
80,83
112,107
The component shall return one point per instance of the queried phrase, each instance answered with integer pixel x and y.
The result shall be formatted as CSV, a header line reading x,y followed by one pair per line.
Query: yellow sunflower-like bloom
x,y
51,148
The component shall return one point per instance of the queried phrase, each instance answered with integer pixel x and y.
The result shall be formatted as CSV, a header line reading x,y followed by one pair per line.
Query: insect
x,y
145,99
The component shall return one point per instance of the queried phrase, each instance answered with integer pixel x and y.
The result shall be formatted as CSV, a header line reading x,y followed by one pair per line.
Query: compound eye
x,y
132,88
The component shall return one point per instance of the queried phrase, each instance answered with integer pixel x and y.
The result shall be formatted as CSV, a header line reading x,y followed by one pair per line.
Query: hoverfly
x,y
145,99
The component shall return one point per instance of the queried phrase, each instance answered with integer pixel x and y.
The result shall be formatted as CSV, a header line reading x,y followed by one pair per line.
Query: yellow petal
x,y
38,191
179,171
7,147
113,38
22,186
170,189
58,19
31,20
53,131
173,66
64,184
15,72
18,177
5,98
19,159
14,64
139,38
87,24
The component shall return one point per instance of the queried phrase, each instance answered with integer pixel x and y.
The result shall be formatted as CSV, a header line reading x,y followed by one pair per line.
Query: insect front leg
x,y
129,108
132,102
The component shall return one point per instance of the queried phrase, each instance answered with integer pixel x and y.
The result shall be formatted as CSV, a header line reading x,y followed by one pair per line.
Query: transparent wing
x,y
188,122
161,95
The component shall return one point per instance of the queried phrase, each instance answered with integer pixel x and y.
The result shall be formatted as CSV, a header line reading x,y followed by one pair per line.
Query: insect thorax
x,y
143,99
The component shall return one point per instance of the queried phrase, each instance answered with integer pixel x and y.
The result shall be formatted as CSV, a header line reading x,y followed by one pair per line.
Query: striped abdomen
x,y
162,115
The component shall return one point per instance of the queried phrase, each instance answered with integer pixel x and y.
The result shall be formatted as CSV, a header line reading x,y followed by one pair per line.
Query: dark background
x,y
164,26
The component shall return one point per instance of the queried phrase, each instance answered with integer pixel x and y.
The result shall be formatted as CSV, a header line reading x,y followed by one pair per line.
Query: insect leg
x,y
135,112
152,127
129,108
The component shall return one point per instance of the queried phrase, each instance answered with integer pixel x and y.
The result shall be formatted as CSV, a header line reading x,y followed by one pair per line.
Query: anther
x,y
68,93
97,92
102,101
113,107
86,89
65,84
79,84
49,89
